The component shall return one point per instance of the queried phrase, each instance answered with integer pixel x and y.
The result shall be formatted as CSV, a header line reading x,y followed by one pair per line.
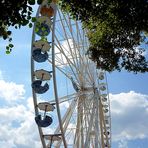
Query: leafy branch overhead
x,y
116,29
15,13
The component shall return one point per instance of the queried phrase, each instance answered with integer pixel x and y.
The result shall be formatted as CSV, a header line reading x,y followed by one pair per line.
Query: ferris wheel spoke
x,y
69,55
88,71
71,29
62,70
70,64
66,119
87,139
81,58
77,45
78,32
76,42
65,98
88,62
87,111
66,36
62,54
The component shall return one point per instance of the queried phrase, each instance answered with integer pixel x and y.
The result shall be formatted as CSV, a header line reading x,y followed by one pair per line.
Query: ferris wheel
x,y
70,95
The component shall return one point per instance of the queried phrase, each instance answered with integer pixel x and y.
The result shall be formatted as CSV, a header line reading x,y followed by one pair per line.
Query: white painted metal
x,y
43,74
85,121
45,106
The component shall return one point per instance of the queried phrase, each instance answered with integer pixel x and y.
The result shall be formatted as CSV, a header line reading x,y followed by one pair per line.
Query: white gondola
x,y
43,74
103,95
105,110
101,75
41,44
46,106
102,86
53,137
105,106
106,121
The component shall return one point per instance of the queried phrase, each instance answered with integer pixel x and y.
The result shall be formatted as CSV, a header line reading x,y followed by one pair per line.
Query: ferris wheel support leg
x,y
76,141
87,140
77,135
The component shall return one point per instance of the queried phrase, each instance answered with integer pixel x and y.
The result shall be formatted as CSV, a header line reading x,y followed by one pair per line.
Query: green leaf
x,y
7,47
36,29
43,29
9,32
28,17
8,51
30,8
43,38
30,25
31,2
39,2
49,1
11,45
25,22
33,19
10,39
5,37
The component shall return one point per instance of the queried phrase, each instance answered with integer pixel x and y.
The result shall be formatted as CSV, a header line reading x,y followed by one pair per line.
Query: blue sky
x,y
128,98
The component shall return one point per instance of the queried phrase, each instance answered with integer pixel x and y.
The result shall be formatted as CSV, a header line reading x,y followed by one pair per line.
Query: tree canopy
x,y
116,29
15,13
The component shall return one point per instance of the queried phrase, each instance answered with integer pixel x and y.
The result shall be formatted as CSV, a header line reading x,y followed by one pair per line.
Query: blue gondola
x,y
38,56
42,29
45,122
36,85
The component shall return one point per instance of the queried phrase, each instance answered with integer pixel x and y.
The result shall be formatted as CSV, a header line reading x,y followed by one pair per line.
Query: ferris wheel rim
x,y
55,83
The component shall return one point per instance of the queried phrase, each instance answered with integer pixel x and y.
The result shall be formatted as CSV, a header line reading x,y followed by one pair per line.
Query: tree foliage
x,y
15,13
116,29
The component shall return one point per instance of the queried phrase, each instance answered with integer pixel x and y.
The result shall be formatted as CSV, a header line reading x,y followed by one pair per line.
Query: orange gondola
x,y
47,11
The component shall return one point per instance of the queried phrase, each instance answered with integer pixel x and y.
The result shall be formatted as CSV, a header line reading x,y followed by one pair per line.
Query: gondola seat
x,y
45,122
39,56
38,88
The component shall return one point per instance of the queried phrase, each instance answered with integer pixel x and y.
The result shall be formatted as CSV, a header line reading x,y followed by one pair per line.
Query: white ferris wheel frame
x,y
100,121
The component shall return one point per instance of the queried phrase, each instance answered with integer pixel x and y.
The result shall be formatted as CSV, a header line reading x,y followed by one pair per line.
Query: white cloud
x,y
64,105
67,46
10,91
18,128
122,144
129,116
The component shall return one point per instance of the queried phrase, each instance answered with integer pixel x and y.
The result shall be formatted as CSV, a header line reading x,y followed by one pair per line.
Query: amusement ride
x,y
70,95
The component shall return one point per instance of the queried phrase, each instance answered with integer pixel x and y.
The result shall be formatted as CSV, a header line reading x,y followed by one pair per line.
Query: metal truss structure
x,y
77,111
